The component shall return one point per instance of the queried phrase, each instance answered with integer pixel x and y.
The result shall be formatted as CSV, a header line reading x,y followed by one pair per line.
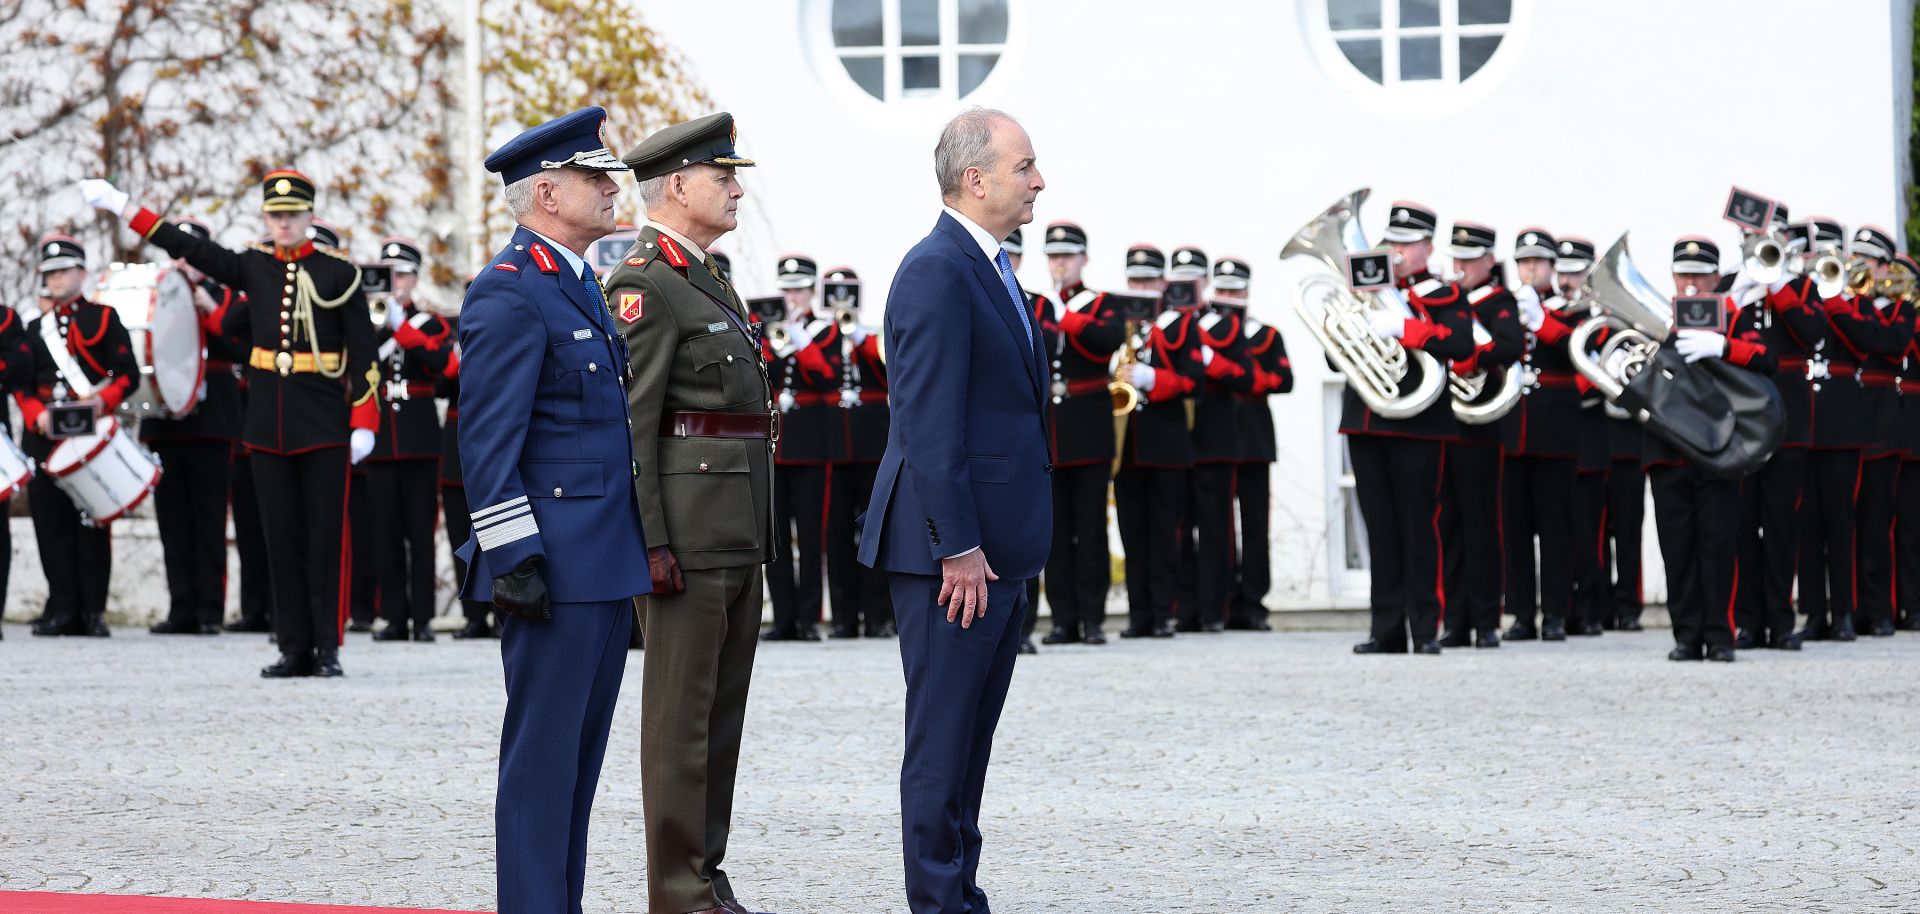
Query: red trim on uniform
x,y
367,414
1415,333
1853,554
1733,594
1072,322
452,372
286,255
345,595
1439,553
1553,329
144,222
507,267
674,255
543,258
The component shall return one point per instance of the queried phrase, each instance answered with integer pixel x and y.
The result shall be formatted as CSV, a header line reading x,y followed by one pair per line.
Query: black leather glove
x,y
522,593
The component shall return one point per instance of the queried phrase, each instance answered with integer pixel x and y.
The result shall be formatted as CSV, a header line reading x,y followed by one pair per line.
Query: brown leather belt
x,y
716,425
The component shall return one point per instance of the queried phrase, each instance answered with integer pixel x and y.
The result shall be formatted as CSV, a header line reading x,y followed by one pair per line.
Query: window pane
x,y
1419,59
1474,53
1364,54
982,22
868,73
1419,13
856,23
919,21
1353,14
973,69
919,75
1486,12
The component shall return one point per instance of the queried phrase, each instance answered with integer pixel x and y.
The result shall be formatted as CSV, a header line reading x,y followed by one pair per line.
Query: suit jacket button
x,y
1049,467
593,366
556,491
729,358
703,468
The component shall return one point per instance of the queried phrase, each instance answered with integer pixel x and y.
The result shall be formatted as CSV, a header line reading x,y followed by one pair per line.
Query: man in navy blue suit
x,y
557,543
961,511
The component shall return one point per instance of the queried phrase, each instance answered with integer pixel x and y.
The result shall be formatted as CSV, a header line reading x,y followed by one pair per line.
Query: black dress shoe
x,y
1095,637
395,631
1881,629
1026,646
326,664
778,634
244,624
170,627
1187,628
808,633
1720,653
1372,646
289,666
1213,628
475,628
1684,653
209,629
95,627
1488,638
1844,630
1630,625
1061,636
1745,641
359,626
883,630
1427,647
1459,637
50,628
1553,630
1784,643
423,632
1592,629
1811,632
840,633
1132,632
1164,631
1522,631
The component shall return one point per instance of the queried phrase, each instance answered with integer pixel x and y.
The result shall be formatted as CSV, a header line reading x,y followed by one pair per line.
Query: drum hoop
x,y
200,372
145,490
98,449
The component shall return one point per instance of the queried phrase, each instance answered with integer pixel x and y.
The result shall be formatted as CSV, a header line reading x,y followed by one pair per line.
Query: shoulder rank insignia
x,y
675,256
630,305
636,261
543,258
507,267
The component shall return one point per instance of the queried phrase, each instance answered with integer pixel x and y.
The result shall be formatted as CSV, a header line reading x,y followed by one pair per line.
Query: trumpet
x,y
1764,258
1829,273
377,311
1125,396
780,339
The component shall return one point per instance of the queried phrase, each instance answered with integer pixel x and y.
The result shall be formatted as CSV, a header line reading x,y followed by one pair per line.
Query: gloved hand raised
x,y
1695,345
102,195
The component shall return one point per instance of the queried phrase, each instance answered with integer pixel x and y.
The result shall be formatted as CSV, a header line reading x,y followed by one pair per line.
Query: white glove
x,y
1616,362
1882,302
396,314
360,444
858,335
1779,284
797,331
1142,377
103,195
1206,355
1700,344
1741,283
1386,326
1532,313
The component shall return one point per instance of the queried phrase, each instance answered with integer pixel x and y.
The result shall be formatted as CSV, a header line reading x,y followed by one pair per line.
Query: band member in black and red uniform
x,y
1470,499
1150,489
1906,528
1697,515
1206,602
1794,331
805,371
196,450
311,409
82,354
363,583
1592,612
858,595
453,490
1253,465
1841,431
1879,329
1080,333
17,373
1541,438
403,470
1399,464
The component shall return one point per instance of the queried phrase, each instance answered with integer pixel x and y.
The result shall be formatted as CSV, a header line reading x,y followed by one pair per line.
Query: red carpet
x,y
62,903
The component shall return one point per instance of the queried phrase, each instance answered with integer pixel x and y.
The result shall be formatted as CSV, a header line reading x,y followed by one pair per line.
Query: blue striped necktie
x,y
1013,289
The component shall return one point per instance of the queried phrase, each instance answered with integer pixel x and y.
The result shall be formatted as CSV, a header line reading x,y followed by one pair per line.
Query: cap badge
x,y
1059,233
53,249
791,265
393,250
1185,257
1226,267
1139,256
1693,247
1460,235
1400,214
283,186
1531,238
1566,247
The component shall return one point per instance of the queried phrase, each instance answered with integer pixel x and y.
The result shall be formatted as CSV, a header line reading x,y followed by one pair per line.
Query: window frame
x,y
1447,93
893,54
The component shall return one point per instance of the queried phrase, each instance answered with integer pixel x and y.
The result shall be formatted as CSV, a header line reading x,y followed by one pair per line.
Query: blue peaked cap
x,y
576,140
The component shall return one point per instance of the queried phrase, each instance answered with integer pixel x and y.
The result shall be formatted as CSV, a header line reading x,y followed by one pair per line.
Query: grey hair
x,y
966,142
653,192
520,196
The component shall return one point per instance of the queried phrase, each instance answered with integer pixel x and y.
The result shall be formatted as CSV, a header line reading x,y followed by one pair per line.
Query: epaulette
x,y
1080,300
335,253
1427,288
1481,294
264,247
1166,319
1252,328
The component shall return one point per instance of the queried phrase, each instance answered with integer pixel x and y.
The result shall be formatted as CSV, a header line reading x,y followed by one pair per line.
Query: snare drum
x,y
15,466
107,473
155,302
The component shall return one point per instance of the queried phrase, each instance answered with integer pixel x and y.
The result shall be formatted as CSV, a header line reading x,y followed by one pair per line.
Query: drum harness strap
x,y
76,380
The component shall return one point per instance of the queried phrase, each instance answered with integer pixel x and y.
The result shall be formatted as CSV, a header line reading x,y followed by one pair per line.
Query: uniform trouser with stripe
x,y
77,558
1398,482
453,507
1826,542
563,679
1253,487
303,508
190,511
1626,518
1536,500
1591,597
1879,490
693,707
1078,569
1470,536
1207,555
250,543
401,496
1696,517
857,594
1906,538
793,580
1150,506
363,587
1763,603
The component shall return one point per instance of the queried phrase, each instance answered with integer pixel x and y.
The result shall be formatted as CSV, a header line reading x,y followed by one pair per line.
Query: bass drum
x,y
107,473
15,466
155,302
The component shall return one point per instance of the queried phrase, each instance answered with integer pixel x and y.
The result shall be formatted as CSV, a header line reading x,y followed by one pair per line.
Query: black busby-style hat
x,y
403,254
1231,273
1533,242
707,140
1696,254
1187,263
1144,261
1065,238
796,271
284,190
1471,240
61,252
1410,221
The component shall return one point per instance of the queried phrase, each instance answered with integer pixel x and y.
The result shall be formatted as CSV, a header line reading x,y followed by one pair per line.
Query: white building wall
x,y
1227,124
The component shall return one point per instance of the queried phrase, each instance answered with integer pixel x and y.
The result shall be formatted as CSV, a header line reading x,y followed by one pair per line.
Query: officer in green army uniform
x,y
702,441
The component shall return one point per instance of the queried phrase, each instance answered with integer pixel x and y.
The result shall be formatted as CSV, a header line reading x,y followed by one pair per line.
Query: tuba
x,y
1393,381
1486,394
1636,313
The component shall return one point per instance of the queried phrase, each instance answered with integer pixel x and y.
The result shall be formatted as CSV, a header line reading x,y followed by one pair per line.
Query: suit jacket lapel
x,y
989,276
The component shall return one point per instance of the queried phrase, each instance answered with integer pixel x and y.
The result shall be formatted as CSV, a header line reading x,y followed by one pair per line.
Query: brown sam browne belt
x,y
716,425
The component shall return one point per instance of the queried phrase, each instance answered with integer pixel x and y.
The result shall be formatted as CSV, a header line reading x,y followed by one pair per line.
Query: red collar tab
x,y
675,256
543,258
285,255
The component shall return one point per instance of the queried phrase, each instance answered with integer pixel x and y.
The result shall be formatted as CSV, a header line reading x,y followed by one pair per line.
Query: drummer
x,y
16,374
84,366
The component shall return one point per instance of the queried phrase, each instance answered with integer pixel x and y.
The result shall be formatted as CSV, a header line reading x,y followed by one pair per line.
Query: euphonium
x,y
1486,394
1393,381
1636,312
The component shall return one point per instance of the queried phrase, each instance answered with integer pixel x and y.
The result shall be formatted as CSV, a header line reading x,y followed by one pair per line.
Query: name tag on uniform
x,y
583,334
716,326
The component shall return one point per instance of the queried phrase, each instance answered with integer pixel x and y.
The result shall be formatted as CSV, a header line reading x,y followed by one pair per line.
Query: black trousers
x,y
1763,602
77,558
6,545
1398,483
453,506
1150,506
799,518
250,543
1697,517
190,510
303,510
1207,546
1626,518
363,586
1078,564
1536,500
1253,489
1879,488
857,595
1470,536
1592,602
1826,544
1906,538
401,496
1032,617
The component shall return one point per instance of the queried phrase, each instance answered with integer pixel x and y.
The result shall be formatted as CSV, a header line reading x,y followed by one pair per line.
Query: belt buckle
x,y
397,391
283,363
773,429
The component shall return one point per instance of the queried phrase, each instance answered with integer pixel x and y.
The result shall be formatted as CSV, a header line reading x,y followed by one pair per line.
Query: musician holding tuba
x,y
1592,612
1880,328
1470,517
1397,462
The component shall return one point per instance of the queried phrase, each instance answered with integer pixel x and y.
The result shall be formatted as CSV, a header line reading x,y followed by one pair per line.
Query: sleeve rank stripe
x,y
504,516
483,512
520,528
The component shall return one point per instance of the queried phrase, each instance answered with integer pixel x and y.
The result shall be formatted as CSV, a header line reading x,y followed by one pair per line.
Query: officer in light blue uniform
x,y
557,543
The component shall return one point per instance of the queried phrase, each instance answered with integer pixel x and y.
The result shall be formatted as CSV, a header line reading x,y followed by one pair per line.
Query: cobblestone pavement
x,y
1233,772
